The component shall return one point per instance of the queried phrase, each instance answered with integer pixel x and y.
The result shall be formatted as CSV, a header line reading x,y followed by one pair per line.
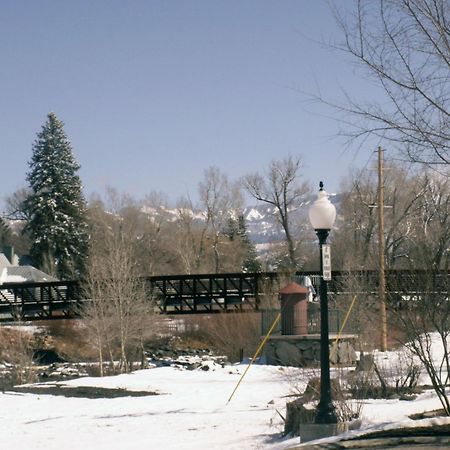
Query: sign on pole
x,y
326,262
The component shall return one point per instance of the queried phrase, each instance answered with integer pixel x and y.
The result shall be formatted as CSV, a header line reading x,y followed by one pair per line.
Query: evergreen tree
x,y
237,229
251,263
56,206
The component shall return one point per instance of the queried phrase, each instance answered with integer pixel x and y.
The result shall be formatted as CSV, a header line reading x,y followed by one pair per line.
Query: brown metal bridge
x,y
178,294
189,294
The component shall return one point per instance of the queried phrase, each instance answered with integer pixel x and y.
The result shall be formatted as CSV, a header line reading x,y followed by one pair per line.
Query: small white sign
x,y
326,262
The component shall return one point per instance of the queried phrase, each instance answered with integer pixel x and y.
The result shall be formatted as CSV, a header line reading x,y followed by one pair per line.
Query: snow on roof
x,y
4,261
5,278
20,274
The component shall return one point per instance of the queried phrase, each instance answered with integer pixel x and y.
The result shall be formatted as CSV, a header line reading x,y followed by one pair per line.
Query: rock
x,y
47,356
365,363
312,391
296,413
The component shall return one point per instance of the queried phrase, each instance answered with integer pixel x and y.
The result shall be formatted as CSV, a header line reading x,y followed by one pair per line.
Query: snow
x,y
7,278
191,411
254,214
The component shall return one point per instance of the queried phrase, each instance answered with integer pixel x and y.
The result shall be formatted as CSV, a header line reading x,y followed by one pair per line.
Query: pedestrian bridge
x,y
202,293
174,294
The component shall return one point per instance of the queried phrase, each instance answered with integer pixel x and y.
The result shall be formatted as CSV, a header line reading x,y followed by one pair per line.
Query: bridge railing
x,y
208,292
38,300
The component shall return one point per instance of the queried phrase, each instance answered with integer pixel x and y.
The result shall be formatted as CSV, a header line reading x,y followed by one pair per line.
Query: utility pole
x,y
381,274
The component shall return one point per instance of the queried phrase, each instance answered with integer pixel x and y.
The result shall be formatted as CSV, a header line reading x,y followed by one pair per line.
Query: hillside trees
x,y
148,224
55,206
280,188
186,239
203,237
404,48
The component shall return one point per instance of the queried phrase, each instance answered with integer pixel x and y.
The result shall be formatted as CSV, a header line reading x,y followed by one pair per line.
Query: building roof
x,y
4,262
27,273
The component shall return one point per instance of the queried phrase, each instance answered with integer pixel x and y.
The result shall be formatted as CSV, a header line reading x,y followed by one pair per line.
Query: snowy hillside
x,y
261,219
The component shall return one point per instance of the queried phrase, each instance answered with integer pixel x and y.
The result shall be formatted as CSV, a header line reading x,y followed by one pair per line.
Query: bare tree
x,y
221,200
155,251
119,316
430,237
202,237
279,187
190,237
418,234
15,205
17,351
149,224
357,223
405,192
423,312
404,47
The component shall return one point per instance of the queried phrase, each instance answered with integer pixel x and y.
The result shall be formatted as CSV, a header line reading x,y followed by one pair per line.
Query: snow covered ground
x,y
191,411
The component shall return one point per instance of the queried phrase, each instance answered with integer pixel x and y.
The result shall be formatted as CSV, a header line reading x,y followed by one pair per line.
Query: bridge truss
x,y
204,293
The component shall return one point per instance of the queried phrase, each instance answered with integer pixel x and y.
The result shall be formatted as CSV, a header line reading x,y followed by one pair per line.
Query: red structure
x,y
294,320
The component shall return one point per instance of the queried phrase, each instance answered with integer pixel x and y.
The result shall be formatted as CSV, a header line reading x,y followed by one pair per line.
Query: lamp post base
x,y
313,431
326,413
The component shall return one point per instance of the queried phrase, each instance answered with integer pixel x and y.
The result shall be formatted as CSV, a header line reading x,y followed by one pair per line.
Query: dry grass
x,y
68,338
16,351
235,335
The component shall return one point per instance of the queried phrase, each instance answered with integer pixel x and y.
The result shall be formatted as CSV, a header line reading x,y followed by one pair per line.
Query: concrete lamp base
x,y
313,431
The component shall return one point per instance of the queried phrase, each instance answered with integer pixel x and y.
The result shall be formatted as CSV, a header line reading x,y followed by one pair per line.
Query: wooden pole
x,y
382,279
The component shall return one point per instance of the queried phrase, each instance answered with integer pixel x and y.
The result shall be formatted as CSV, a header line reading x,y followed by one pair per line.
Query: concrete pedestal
x,y
313,431
304,350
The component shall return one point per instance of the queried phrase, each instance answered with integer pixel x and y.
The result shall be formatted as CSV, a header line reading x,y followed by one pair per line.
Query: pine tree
x,y
251,263
237,229
56,206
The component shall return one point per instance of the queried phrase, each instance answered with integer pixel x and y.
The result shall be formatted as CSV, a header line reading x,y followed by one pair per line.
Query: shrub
x,y
16,351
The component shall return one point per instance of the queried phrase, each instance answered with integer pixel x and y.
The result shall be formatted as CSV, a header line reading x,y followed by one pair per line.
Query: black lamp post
x,y
322,215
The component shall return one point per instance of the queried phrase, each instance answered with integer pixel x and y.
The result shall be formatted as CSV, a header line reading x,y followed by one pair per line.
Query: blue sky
x,y
154,92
